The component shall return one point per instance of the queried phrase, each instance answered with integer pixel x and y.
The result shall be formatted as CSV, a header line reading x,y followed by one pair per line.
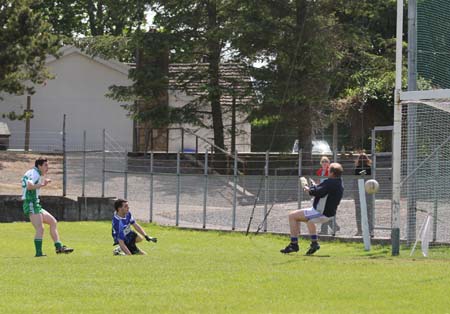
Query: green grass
x,y
212,272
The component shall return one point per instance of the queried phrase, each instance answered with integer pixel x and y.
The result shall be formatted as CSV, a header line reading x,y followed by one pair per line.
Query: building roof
x,y
69,50
192,79
4,130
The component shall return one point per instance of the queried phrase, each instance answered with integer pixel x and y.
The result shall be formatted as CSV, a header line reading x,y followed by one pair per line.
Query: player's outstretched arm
x,y
141,231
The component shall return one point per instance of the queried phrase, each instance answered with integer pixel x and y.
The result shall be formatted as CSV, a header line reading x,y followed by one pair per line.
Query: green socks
x,y
38,246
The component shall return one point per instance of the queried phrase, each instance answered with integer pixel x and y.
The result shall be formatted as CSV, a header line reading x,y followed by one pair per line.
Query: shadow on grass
x,y
317,256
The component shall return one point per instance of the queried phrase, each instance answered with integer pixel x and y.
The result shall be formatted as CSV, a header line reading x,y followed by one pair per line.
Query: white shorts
x,y
316,217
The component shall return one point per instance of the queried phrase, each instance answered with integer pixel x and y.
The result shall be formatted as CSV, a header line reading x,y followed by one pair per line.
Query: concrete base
x,y
63,208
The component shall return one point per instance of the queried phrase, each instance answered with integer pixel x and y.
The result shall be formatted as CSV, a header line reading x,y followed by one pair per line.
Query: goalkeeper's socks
x,y
38,247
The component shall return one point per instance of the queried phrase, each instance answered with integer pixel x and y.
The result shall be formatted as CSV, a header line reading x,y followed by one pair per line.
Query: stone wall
x,y
63,208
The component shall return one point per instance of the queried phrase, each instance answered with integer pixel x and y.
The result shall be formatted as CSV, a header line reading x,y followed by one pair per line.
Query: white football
x,y
371,186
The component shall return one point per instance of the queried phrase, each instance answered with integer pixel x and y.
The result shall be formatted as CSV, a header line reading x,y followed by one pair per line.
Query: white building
x,y
78,91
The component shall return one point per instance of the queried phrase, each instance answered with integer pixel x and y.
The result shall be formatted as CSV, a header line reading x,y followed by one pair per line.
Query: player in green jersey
x,y
32,182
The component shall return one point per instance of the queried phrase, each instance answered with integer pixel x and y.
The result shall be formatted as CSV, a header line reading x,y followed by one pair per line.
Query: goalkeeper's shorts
x,y
32,207
315,216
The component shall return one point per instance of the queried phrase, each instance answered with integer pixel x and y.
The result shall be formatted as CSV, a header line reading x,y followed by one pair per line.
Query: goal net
x,y
425,172
432,43
421,166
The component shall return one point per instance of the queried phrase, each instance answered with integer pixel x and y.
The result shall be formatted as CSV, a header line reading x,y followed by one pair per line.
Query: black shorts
x,y
131,243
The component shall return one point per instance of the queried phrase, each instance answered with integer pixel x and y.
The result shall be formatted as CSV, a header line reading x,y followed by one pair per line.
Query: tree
x,y
201,29
73,18
325,59
25,42
365,78
297,44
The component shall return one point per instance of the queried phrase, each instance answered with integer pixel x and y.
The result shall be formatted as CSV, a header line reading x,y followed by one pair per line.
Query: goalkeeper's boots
x,y
64,250
292,247
313,248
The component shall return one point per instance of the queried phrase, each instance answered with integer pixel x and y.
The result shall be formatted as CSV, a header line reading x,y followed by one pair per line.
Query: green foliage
x,y
25,42
65,16
212,272
298,50
121,48
265,121
365,78
74,18
12,115
146,97
198,27
321,61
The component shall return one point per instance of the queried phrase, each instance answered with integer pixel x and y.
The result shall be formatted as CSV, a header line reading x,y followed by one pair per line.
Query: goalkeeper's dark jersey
x,y
331,189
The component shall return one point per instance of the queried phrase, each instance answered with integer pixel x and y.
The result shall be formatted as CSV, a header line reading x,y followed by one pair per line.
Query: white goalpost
x,y
396,134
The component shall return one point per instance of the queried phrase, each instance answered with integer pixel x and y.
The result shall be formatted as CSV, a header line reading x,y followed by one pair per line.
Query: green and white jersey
x,y
34,176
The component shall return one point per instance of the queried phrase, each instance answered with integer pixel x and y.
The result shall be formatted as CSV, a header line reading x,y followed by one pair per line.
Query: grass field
x,y
212,272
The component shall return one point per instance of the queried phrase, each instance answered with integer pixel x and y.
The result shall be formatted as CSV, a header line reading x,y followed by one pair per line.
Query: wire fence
x,y
189,189
209,200
201,190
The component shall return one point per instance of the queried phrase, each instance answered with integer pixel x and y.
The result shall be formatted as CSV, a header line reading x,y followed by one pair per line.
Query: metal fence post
x,y
182,140
84,164
64,157
373,153
125,177
167,140
435,197
266,189
151,187
177,214
205,189
275,185
196,145
299,185
233,221
103,161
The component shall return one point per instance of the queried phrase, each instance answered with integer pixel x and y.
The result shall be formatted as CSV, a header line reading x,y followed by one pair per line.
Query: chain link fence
x,y
190,190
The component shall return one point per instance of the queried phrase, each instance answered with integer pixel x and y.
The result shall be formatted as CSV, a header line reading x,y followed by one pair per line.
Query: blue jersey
x,y
121,227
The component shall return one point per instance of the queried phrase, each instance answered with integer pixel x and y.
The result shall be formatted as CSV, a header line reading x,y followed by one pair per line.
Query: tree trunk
x,y
92,19
304,135
304,113
214,62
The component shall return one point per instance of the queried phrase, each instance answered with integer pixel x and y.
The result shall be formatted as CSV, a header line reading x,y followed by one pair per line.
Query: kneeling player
x,y
122,233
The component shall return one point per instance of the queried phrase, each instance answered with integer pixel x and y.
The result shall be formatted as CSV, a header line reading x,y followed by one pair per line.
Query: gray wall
x,y
63,208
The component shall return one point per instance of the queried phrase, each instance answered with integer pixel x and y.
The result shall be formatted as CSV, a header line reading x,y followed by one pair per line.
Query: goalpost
x,y
421,135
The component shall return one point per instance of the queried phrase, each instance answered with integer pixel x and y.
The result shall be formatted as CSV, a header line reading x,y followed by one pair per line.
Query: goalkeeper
x,y
122,233
327,196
